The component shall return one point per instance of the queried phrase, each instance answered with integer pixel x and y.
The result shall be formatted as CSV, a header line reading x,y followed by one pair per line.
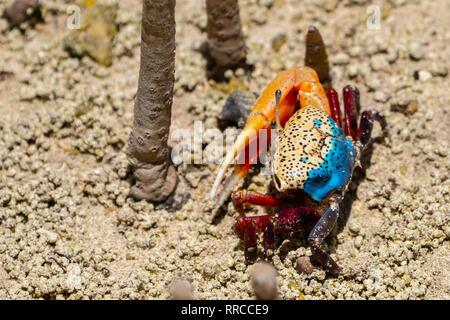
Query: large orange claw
x,y
298,82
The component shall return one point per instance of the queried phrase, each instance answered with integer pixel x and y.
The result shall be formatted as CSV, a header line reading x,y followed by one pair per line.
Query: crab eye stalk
x,y
277,98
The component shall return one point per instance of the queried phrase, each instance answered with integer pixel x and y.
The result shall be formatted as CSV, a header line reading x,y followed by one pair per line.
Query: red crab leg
x,y
351,124
247,227
284,221
242,197
335,108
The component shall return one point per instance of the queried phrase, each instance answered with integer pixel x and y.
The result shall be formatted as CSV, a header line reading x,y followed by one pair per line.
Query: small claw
x,y
230,182
245,138
222,170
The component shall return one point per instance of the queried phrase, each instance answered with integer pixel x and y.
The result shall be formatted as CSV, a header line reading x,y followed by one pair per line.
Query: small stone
x,y
341,58
442,151
228,74
74,279
447,231
405,106
264,281
236,109
397,149
354,228
424,75
416,51
275,65
21,11
355,51
266,3
193,178
49,236
373,83
439,69
381,96
352,70
96,34
358,242
27,93
239,72
126,215
304,265
181,289
392,55
330,5
278,41
378,63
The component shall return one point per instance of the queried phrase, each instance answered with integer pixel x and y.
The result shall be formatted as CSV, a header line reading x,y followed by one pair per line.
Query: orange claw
x,y
299,82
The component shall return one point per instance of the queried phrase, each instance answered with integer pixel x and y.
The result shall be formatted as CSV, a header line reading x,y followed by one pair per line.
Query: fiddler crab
x,y
312,163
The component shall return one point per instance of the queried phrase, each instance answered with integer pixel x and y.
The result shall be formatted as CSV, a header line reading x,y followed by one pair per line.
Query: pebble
x,y
352,70
392,55
278,41
181,289
442,151
416,51
96,36
439,69
304,265
379,63
355,51
330,5
264,281
382,96
23,10
354,228
50,237
404,105
373,83
424,75
341,59
358,242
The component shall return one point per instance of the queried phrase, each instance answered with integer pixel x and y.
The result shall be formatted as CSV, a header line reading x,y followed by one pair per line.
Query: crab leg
x,y
242,197
298,82
334,106
318,235
284,221
351,124
366,125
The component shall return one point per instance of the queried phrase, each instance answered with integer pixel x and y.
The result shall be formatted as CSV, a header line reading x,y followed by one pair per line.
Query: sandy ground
x,y
69,231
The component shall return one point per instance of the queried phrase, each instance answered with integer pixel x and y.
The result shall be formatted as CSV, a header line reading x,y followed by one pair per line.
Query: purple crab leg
x,y
351,123
366,126
318,234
